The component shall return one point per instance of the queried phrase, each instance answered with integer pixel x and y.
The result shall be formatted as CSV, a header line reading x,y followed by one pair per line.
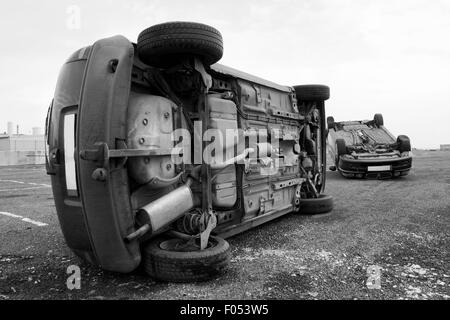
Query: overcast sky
x,y
385,56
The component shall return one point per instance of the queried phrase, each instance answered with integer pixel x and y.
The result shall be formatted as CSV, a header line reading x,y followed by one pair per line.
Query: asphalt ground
x,y
398,229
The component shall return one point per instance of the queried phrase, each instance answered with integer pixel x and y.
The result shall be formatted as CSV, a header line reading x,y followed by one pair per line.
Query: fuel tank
x,y
223,118
150,127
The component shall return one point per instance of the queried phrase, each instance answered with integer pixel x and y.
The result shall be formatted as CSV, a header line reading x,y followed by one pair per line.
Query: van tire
x,y
312,92
185,266
167,44
312,206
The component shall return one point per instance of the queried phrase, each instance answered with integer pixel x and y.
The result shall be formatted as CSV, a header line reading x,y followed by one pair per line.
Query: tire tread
x,y
186,266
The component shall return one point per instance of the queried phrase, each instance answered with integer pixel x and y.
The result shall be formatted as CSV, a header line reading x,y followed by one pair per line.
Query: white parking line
x,y
20,189
35,185
30,183
10,214
14,181
37,223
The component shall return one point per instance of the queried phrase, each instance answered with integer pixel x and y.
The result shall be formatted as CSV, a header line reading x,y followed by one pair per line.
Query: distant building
x,y
37,131
19,149
10,128
445,147
22,142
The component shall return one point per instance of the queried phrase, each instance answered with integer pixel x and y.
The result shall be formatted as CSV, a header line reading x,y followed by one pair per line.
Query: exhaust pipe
x,y
165,210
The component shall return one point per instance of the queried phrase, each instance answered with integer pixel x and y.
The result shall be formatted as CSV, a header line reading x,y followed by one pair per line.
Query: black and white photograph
x,y
237,152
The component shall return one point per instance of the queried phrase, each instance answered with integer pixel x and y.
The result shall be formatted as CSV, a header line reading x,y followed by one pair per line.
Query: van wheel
x,y
173,260
320,205
168,44
378,119
312,92
403,144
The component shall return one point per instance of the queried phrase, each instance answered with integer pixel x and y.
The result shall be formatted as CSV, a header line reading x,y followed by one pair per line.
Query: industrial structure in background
x,y
16,148
445,147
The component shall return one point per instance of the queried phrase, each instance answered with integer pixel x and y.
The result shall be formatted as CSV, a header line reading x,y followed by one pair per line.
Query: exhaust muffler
x,y
165,210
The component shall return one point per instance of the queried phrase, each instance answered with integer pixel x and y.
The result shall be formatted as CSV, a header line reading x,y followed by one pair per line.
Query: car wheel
x,y
378,119
341,149
330,122
312,92
167,44
320,205
174,261
403,143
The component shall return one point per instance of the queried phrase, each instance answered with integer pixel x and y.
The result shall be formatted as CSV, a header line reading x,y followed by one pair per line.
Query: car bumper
x,y
95,214
375,168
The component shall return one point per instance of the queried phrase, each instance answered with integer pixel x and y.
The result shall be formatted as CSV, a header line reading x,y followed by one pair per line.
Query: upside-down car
x,y
366,149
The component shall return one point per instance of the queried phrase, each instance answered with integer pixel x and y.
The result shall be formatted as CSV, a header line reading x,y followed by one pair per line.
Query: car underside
x,y
157,154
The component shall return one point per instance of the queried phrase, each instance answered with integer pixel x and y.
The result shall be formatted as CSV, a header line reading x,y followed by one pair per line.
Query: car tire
x,y
185,266
330,122
312,92
167,44
321,205
403,143
341,147
378,119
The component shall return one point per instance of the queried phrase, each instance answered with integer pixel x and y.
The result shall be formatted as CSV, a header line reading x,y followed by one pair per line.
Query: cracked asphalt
x,y
400,226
